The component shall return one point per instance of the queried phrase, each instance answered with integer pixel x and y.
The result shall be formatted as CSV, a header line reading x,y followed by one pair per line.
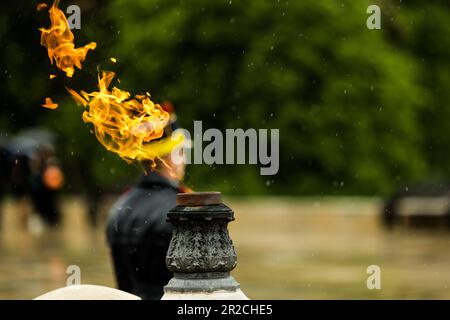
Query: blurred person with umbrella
x,y
30,169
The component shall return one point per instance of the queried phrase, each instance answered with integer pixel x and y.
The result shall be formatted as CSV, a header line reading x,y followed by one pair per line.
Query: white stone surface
x,y
87,292
216,295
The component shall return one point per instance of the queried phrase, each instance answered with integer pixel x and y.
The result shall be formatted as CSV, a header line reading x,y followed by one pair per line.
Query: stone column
x,y
201,253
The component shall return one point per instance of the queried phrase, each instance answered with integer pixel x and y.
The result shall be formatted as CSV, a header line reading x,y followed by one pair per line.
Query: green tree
x,y
426,34
359,111
346,99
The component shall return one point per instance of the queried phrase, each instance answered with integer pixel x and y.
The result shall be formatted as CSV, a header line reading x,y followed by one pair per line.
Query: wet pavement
x,y
287,249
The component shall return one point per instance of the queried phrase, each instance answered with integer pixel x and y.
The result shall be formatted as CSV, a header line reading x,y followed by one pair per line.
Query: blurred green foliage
x,y
359,111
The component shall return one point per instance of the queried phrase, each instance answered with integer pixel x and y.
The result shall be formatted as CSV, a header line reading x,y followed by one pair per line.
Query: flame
x,y
125,125
58,39
49,104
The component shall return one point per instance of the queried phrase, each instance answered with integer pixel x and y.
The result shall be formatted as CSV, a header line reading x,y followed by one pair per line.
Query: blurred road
x,y
287,249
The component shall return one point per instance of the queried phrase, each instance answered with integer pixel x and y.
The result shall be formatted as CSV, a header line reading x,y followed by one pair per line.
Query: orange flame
x,y
49,104
58,39
122,124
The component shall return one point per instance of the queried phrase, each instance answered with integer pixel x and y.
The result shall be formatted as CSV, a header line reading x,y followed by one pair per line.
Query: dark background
x,y
359,111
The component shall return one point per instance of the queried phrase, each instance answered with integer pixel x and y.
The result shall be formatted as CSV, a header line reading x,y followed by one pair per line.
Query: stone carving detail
x,y
201,253
200,241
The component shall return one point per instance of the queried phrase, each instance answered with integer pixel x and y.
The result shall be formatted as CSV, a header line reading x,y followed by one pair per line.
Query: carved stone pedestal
x,y
201,253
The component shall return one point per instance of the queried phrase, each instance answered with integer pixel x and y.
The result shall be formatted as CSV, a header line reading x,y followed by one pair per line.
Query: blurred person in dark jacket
x,y
137,231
